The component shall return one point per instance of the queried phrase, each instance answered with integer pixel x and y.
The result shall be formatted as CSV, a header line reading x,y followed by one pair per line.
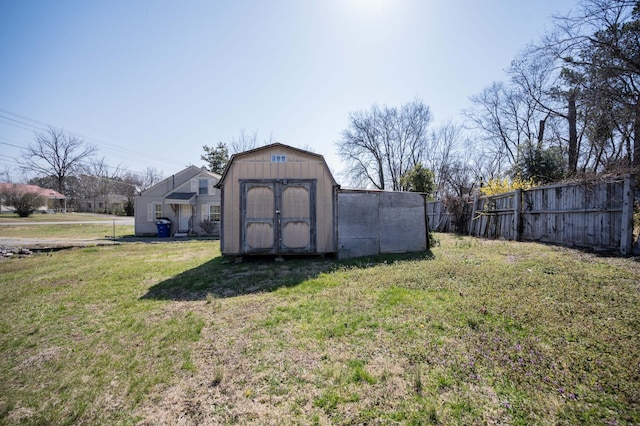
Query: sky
x,y
150,82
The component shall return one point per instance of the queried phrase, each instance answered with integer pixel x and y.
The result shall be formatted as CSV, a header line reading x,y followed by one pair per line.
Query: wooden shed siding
x,y
258,166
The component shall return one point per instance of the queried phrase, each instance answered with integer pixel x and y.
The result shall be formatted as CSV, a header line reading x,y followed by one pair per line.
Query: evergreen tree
x,y
216,158
418,179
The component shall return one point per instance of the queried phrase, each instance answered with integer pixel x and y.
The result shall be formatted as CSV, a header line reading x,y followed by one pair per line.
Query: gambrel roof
x,y
272,147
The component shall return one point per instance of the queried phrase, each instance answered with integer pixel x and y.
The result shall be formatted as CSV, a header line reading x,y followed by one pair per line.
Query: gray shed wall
x,y
375,222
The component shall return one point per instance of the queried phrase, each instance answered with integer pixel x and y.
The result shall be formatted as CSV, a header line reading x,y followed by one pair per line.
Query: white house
x,y
188,199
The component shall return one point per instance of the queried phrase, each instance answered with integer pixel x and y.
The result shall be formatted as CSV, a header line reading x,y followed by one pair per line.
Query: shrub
x,y
210,227
500,186
458,208
24,202
540,164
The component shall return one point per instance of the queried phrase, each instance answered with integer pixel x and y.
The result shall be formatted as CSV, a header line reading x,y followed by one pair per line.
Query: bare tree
x,y
246,141
555,88
307,147
243,142
5,175
147,179
133,184
506,118
410,126
362,149
56,153
597,47
98,181
444,145
381,144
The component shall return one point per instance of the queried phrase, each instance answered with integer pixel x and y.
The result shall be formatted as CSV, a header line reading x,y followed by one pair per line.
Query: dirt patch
x,y
19,414
44,356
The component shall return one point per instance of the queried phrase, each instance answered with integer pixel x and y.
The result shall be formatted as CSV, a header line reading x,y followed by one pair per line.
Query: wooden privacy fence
x,y
597,215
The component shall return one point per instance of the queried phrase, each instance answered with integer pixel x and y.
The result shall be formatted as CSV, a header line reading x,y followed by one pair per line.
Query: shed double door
x,y
278,216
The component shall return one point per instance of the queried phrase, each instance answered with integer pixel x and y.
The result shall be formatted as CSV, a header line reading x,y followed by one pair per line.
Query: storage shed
x,y
278,200
377,222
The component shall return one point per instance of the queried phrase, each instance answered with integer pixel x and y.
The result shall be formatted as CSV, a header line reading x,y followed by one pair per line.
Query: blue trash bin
x,y
164,226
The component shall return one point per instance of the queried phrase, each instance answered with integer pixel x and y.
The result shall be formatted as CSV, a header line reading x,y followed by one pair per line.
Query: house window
x,y
154,211
203,186
214,213
278,158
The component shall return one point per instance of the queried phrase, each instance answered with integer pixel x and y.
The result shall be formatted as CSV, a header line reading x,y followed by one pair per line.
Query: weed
x,y
329,400
443,382
473,323
359,373
213,301
417,382
187,362
218,375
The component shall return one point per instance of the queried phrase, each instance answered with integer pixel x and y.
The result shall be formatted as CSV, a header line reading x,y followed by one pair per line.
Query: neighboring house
x,y
55,201
278,199
110,203
188,199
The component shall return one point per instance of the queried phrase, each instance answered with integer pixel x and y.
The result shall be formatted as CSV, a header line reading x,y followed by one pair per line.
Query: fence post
x,y
517,211
426,219
472,224
626,238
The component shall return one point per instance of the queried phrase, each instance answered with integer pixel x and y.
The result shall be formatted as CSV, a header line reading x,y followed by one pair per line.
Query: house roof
x,y
184,175
47,193
181,198
268,147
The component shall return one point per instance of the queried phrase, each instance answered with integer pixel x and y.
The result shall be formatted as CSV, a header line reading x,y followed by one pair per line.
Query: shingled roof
x,y
47,193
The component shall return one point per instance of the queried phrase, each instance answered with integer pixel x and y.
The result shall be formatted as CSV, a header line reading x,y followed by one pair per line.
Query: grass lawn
x,y
82,231
476,332
33,226
57,217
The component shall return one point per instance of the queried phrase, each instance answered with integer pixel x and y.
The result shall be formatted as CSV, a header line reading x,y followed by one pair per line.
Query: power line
x,y
85,163
15,124
19,122
10,144
22,123
5,111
